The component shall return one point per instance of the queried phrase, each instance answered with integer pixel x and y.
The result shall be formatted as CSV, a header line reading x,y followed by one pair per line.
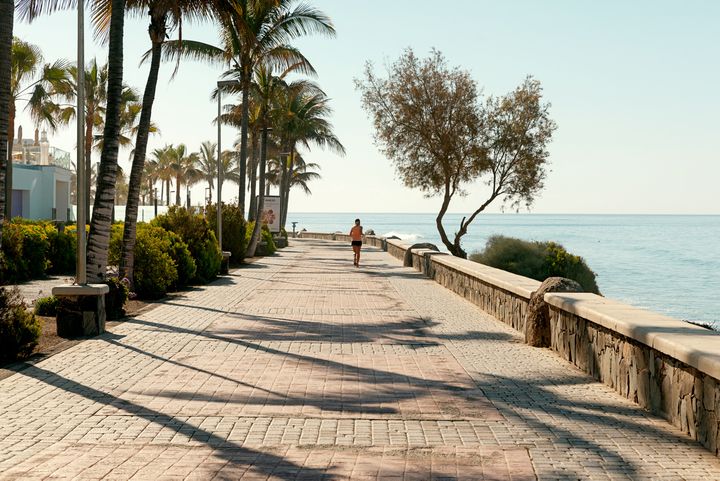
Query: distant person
x,y
356,234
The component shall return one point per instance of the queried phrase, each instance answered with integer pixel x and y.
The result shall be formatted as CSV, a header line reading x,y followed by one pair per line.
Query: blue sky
x,y
633,88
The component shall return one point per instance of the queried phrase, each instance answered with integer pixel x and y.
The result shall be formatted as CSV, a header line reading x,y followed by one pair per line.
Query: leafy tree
x,y
430,123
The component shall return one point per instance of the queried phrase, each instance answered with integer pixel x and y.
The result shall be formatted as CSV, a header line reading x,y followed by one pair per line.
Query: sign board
x,y
271,213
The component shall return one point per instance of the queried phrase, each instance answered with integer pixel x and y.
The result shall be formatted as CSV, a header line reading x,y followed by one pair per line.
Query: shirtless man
x,y
356,234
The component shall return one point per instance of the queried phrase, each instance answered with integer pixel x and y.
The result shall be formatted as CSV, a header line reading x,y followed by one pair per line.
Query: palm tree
x,y
255,32
95,108
266,87
36,84
182,167
7,16
301,118
99,238
303,174
164,15
150,178
102,10
164,158
207,164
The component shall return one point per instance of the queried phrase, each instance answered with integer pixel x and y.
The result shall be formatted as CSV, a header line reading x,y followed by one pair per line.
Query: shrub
x,y
115,244
537,260
234,230
35,250
63,250
265,236
46,306
13,268
26,247
116,297
195,231
155,270
19,329
184,262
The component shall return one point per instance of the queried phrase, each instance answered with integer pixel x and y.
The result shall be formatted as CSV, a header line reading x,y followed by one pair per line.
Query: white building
x,y
41,178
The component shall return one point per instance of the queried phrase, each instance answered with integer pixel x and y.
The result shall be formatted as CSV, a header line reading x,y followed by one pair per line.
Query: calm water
x,y
669,264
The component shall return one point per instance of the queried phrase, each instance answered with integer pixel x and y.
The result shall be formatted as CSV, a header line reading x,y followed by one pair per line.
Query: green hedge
x,y
195,231
30,250
537,260
155,270
234,230
19,329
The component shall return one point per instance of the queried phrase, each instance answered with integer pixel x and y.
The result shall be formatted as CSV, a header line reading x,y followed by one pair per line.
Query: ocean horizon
x,y
667,263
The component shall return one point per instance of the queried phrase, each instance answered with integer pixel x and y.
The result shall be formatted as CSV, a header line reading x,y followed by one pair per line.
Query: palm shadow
x,y
229,451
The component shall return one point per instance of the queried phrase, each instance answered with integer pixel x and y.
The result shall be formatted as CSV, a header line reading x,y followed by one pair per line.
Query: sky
x,y
633,88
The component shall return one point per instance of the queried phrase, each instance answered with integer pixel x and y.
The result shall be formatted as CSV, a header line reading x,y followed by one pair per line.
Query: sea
x,y
665,263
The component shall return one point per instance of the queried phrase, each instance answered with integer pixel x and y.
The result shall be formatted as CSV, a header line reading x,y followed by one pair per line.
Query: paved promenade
x,y
302,367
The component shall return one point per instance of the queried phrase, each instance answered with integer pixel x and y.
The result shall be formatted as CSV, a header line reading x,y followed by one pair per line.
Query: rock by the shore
x,y
537,322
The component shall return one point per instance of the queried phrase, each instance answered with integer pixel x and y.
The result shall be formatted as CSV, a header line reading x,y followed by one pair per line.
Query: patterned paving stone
x,y
301,367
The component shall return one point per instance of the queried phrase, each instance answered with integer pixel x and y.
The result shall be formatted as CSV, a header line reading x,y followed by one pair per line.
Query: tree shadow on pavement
x,y
272,464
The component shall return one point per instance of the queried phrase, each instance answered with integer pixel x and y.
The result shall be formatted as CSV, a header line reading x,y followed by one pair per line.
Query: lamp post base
x,y
81,310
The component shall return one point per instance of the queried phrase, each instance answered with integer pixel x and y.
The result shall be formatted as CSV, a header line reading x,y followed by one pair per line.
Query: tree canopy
x,y
444,138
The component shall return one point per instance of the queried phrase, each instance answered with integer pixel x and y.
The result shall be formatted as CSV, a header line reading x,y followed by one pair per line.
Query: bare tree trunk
x,y
99,238
454,250
7,16
127,259
261,200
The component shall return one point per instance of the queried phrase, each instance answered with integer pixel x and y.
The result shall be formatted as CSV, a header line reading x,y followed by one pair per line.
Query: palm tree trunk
x,y
261,200
244,141
98,240
89,121
127,258
167,192
287,181
177,190
7,16
281,183
253,179
8,156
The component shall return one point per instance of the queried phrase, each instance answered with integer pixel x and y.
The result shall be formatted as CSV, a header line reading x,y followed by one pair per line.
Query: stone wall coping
x,y
399,243
422,252
688,343
86,290
519,285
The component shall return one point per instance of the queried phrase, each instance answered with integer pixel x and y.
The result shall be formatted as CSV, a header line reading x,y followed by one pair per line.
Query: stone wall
x,y
667,366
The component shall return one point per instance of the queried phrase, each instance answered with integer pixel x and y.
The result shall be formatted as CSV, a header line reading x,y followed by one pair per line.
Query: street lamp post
x,y
81,266
220,85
